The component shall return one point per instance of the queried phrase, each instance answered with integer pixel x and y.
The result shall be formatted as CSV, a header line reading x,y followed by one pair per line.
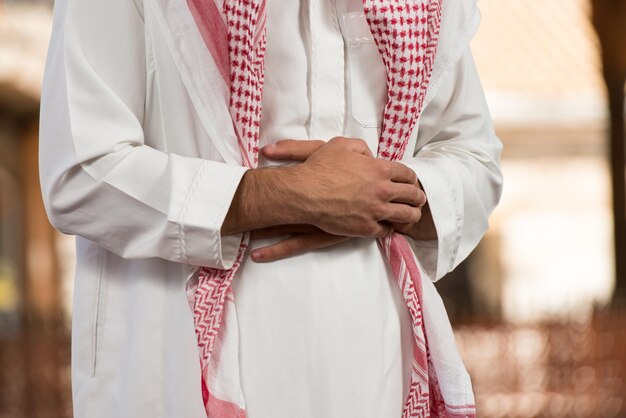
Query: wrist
x,y
291,195
271,194
266,197
300,206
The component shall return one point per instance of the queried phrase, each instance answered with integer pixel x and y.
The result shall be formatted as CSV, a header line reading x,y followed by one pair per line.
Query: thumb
x,y
291,149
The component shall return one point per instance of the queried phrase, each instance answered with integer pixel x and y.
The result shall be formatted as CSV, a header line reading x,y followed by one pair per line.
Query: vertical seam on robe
x,y
340,91
181,218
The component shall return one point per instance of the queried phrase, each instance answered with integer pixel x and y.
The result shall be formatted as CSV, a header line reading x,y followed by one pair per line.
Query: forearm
x,y
265,197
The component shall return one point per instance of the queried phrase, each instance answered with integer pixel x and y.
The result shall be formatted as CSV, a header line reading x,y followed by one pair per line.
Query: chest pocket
x,y
366,71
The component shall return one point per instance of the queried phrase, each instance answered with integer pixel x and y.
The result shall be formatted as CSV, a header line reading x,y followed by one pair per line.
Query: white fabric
x,y
129,164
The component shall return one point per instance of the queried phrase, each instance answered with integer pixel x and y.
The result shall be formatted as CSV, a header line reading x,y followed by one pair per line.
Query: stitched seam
x,y
314,67
340,80
98,314
350,61
181,227
157,93
457,214
157,89
360,40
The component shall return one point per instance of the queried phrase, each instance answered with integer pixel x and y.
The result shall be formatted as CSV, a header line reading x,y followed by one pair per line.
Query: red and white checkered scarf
x,y
406,33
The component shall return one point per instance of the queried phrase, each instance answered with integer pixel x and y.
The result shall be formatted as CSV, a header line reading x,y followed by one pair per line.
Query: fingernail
x,y
269,147
256,255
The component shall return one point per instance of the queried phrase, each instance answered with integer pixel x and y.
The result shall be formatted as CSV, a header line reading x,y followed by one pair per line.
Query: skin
x,y
337,191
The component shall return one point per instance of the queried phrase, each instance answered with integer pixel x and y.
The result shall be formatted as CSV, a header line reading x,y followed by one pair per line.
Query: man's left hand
x,y
303,238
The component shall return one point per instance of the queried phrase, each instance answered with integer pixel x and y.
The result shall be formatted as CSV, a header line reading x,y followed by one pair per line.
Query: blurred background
x,y
539,315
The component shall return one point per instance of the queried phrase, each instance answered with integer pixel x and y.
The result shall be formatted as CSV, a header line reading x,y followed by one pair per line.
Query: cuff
x,y
212,191
230,248
437,256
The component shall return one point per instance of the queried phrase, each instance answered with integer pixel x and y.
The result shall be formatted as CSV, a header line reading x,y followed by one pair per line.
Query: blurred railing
x,y
552,370
35,373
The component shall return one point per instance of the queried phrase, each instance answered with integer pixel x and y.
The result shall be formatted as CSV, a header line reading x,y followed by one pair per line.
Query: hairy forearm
x,y
264,198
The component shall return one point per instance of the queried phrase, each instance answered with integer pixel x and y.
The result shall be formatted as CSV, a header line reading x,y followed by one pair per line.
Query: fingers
x,y
407,193
353,144
278,230
400,173
296,245
290,149
300,150
401,213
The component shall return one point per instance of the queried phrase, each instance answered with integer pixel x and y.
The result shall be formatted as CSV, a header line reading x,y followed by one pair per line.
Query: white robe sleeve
x,y
457,160
99,179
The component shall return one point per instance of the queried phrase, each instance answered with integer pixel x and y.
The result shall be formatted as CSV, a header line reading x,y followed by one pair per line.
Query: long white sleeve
x,y
100,178
457,159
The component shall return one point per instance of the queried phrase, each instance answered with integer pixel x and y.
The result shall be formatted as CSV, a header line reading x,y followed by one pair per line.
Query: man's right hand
x,y
339,187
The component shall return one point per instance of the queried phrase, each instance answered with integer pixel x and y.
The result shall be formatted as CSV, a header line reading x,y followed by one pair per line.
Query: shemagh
x,y
406,33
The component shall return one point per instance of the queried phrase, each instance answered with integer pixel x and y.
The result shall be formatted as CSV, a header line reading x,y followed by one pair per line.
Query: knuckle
x,y
383,231
416,215
385,192
407,173
361,146
378,211
385,169
410,174
377,169
295,244
359,142
287,143
368,229
288,146
376,230
421,197
405,214
409,214
404,172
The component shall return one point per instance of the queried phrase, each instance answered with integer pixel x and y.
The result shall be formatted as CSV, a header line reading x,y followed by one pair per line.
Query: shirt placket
x,y
327,87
